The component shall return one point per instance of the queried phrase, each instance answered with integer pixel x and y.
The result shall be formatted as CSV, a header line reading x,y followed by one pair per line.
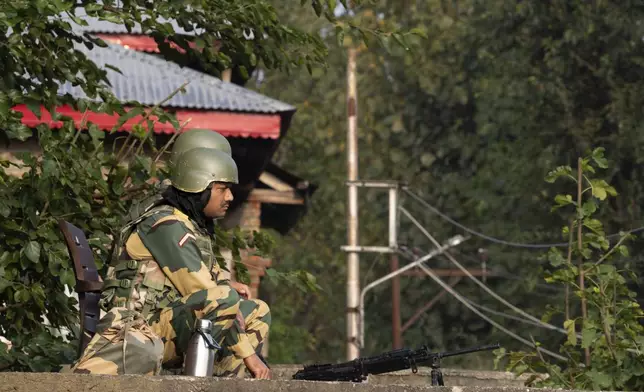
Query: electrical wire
x,y
481,284
497,240
495,273
465,302
501,314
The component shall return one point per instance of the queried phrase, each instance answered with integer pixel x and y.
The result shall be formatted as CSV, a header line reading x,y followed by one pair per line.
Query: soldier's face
x,y
220,198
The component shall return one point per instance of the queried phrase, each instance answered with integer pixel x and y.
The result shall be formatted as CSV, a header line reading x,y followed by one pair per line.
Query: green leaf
x,y
623,250
595,225
561,171
243,71
588,336
317,7
569,326
34,107
136,111
601,189
18,131
17,295
589,207
331,4
5,210
114,68
555,257
96,134
400,40
32,251
67,277
600,380
92,7
599,193
563,200
419,31
598,157
49,168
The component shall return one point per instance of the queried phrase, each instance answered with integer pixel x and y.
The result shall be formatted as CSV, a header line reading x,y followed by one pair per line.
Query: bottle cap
x,y
203,325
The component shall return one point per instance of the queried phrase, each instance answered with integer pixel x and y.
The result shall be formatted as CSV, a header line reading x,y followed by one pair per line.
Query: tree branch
x,y
11,306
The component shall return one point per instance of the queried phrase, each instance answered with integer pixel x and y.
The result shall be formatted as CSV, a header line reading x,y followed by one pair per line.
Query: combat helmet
x,y
195,138
199,167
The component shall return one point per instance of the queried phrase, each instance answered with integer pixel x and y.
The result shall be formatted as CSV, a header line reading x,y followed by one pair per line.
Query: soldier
x,y
226,364
162,278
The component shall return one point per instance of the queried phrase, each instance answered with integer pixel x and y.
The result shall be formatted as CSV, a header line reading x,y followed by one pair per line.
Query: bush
x,y
605,343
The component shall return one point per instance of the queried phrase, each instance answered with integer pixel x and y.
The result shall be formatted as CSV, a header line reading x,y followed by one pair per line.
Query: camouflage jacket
x,y
160,257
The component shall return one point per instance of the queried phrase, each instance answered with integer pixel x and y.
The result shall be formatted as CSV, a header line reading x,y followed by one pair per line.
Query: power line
x,y
481,284
502,314
493,239
498,274
465,302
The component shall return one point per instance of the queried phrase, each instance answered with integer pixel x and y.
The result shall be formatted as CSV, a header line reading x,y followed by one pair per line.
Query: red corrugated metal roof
x,y
142,43
136,42
245,125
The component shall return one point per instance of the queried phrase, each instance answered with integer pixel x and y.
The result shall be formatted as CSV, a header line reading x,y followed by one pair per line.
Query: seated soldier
x,y
159,282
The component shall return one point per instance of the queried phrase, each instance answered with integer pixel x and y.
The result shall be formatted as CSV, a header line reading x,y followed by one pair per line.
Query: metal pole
x,y
454,241
396,328
393,217
353,266
395,283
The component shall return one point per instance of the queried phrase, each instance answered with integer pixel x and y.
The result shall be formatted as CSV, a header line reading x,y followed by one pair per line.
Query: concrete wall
x,y
451,377
56,382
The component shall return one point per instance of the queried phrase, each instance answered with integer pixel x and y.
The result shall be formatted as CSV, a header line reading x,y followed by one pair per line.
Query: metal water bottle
x,y
200,355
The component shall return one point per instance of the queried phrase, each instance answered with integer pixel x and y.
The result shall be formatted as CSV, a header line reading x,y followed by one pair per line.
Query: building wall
x,y
8,151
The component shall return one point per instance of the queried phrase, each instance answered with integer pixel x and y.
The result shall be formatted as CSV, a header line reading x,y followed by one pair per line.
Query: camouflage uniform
x,y
166,274
257,318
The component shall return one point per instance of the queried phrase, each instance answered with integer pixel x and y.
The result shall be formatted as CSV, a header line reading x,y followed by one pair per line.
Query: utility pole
x,y
353,261
396,331
396,323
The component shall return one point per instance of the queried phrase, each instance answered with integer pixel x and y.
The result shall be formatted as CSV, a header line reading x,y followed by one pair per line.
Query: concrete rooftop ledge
x,y
57,382
451,377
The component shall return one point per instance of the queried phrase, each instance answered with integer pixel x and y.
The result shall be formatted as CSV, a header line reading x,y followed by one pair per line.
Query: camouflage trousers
x,y
126,344
257,317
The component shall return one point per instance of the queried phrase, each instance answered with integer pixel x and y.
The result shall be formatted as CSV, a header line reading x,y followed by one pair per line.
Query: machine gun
x,y
358,369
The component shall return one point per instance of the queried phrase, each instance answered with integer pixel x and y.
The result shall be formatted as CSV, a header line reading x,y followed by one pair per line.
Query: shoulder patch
x,y
186,237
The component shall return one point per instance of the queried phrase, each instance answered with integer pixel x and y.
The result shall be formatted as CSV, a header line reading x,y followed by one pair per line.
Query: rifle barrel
x,y
470,350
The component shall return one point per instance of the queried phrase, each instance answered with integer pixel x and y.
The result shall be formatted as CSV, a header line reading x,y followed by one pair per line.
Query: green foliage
x,y
75,177
65,182
604,346
473,118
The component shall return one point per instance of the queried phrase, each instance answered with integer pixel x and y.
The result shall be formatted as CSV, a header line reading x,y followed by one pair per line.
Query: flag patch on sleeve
x,y
185,239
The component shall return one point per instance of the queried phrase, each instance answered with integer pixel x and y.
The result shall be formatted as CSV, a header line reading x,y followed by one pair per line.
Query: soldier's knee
x,y
263,311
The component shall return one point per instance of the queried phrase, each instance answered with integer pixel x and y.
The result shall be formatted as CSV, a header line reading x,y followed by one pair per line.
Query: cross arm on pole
x,y
452,242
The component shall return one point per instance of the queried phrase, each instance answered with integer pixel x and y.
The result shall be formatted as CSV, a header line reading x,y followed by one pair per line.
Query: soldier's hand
x,y
241,288
257,367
